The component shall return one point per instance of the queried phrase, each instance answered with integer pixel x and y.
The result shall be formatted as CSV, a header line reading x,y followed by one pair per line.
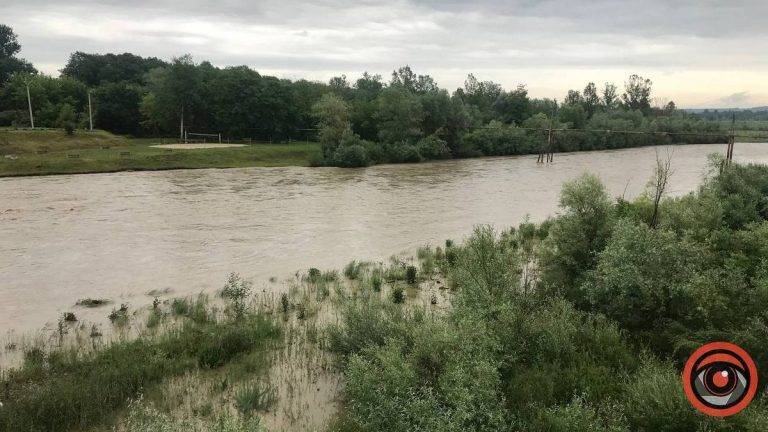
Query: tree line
x,y
408,118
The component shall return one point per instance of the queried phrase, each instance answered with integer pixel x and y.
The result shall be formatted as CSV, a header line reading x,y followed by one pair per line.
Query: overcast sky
x,y
698,53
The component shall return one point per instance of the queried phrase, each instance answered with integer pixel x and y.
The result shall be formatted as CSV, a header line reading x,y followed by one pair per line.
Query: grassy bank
x,y
24,153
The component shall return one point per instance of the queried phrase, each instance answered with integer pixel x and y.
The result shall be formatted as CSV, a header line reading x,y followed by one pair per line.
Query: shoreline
x,y
278,163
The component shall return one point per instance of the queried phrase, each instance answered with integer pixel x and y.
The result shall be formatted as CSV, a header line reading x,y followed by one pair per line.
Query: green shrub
x,y
398,294
353,156
353,269
433,147
376,282
284,303
411,275
403,153
236,290
313,275
180,306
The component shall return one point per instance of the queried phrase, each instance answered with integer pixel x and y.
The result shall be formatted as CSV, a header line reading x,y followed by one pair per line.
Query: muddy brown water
x,y
121,235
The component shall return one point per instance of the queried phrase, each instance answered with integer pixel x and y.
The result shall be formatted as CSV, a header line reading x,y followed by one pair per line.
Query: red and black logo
x,y
720,379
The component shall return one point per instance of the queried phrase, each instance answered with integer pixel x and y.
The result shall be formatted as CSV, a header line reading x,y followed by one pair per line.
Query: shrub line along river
x,y
121,235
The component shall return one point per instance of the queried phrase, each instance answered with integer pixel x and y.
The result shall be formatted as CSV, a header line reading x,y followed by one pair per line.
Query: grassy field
x,y
25,152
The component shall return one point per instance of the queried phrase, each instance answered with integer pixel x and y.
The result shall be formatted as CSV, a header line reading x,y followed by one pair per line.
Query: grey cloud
x,y
510,40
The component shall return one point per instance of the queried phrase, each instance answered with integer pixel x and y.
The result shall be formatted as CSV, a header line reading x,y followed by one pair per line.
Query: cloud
x,y
550,45
743,99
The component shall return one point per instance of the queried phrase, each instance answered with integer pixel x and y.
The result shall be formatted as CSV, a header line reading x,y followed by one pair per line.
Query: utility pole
x,y
90,112
29,102
181,127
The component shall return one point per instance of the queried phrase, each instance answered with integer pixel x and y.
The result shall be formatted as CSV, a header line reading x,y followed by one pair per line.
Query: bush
x,y
398,294
653,401
641,279
411,275
237,291
353,269
495,139
351,152
376,282
353,156
403,153
313,276
180,306
576,237
432,147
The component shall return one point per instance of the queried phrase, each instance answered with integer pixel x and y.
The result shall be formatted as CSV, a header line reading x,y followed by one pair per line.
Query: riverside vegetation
x,y
582,322
368,121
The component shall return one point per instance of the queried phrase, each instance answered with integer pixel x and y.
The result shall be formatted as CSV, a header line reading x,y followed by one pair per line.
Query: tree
x,y
637,93
67,118
332,115
340,86
48,95
178,91
670,108
573,98
544,106
610,96
661,173
243,103
437,109
399,115
95,69
513,107
577,236
368,86
363,107
150,119
481,94
574,115
117,108
406,79
641,278
305,95
591,99
9,63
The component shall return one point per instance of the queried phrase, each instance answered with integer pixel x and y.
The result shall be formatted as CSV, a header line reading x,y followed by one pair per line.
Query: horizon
x,y
688,60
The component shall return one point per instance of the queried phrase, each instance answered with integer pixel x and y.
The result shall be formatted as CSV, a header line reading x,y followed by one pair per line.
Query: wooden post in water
x,y
731,139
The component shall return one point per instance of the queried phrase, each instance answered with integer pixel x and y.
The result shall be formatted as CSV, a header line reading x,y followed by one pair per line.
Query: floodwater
x,y
122,235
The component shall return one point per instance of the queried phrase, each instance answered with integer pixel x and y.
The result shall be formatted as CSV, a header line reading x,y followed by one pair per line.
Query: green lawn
x,y
53,152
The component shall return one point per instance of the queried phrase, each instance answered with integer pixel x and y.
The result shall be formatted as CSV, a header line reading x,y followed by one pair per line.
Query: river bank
x,y
49,152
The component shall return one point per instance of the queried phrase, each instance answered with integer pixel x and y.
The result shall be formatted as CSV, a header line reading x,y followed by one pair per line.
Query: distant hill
x,y
700,110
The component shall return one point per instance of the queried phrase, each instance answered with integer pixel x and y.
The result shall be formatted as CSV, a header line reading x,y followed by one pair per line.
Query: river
x,y
120,235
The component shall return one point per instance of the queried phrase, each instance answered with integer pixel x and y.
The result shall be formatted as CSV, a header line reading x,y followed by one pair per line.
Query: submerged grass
x,y
67,389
